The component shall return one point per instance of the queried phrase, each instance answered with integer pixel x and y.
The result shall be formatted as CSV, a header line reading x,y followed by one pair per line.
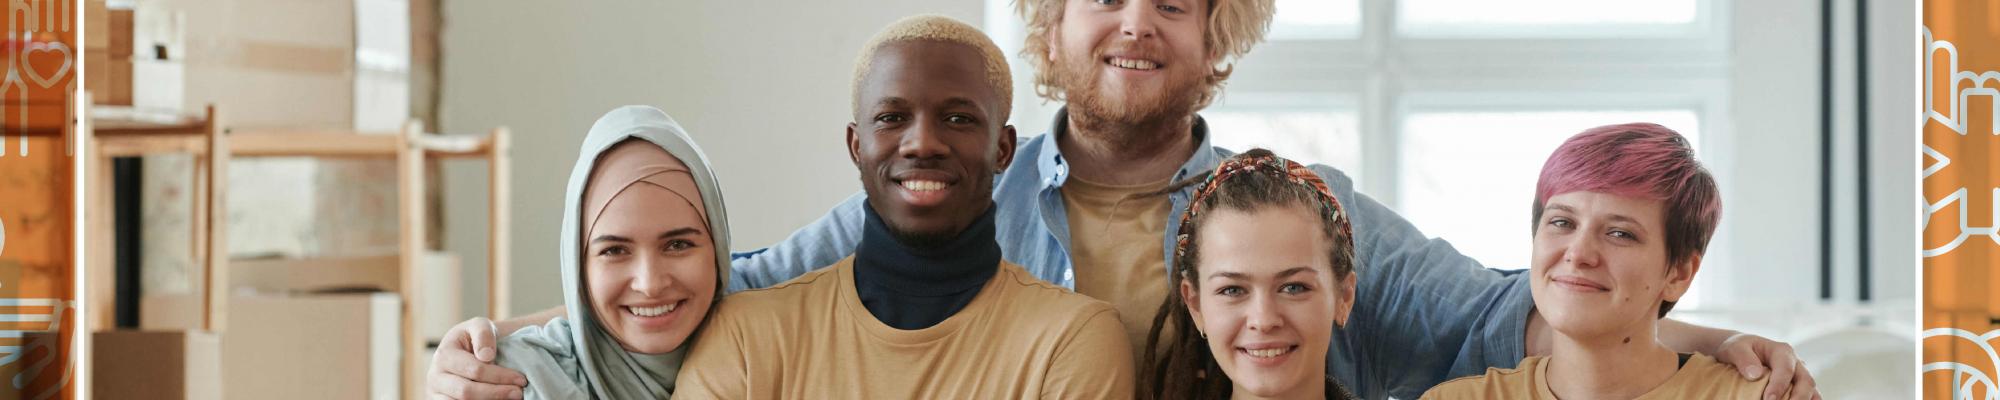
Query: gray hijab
x,y
576,357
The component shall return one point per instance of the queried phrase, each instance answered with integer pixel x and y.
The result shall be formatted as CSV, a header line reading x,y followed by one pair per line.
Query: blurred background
x,y
1442,109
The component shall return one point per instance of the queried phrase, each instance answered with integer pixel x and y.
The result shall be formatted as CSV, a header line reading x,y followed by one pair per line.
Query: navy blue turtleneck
x,y
914,287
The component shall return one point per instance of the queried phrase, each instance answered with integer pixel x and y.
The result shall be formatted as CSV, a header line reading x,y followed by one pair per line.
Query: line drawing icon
x,y
41,16
1965,378
17,344
1955,117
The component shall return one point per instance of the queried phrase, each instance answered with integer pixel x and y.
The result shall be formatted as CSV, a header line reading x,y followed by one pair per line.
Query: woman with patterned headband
x,y
1263,271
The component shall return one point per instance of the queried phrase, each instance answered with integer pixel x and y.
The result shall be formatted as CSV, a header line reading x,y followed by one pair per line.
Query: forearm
x,y
1690,338
812,247
508,326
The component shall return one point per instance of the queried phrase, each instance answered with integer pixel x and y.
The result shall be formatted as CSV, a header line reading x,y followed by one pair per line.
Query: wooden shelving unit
x,y
215,146
109,138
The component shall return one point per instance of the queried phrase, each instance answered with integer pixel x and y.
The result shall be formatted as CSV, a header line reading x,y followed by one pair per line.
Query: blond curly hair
x,y
1232,28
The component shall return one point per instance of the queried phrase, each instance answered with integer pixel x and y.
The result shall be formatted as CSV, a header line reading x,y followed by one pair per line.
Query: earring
x,y
1204,334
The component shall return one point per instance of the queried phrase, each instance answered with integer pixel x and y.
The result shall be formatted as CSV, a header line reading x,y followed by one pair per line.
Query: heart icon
x,y
40,47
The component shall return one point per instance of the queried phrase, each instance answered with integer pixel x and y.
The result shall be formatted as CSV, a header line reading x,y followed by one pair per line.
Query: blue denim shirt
x,y
1423,313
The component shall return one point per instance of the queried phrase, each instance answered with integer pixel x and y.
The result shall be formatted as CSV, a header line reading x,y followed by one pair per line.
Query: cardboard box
x,y
169,312
108,54
158,77
441,278
96,36
118,32
159,86
109,78
313,347
442,307
293,63
156,365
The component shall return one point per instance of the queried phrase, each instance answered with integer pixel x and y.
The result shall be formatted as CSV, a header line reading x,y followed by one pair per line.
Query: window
x,y
1547,18
1307,130
1445,109
1316,19
1470,176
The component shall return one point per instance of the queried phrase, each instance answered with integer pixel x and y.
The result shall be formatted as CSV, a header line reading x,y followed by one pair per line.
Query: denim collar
x,y
1055,170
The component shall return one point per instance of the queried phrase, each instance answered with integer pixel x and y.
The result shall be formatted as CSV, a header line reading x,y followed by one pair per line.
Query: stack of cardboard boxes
x,y
108,54
272,63
303,329
296,329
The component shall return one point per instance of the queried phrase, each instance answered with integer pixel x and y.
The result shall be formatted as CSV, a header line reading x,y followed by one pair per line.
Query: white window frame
x,y
1389,74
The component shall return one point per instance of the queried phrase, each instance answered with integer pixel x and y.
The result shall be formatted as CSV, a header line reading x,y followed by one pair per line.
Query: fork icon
x,y
26,19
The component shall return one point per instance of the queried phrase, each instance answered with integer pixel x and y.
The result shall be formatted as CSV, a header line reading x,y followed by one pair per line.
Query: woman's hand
x,y
1754,356
462,368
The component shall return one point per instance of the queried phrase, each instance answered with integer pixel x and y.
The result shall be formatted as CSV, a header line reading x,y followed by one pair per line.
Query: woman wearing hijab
x,y
645,247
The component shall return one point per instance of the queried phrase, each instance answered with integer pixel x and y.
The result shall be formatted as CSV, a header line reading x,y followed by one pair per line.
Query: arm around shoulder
x,y
812,247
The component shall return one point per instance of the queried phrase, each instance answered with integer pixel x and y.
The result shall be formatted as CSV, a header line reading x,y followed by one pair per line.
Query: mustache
x,y
921,163
1129,48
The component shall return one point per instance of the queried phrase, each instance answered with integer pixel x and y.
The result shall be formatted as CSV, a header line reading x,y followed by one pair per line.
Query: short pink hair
x,y
1640,160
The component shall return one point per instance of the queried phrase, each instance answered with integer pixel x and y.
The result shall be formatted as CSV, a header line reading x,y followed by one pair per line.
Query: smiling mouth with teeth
x,y
653,311
1128,63
1268,353
923,186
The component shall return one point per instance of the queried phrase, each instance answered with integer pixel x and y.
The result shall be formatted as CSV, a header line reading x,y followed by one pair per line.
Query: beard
x,y
1098,108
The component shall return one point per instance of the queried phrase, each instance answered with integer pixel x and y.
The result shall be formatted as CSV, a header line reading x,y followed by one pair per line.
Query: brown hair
x,y
1251,181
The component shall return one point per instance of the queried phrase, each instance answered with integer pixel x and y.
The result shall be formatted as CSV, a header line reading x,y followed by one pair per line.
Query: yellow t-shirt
x,y
810,338
1117,249
1701,378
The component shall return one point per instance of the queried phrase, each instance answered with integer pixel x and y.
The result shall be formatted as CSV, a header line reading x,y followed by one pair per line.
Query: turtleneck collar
x,y
914,287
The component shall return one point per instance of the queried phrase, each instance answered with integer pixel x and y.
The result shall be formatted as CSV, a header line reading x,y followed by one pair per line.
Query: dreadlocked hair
x,y
1184,368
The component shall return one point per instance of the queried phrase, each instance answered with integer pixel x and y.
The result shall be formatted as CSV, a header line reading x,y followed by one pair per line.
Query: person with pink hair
x,y
1622,214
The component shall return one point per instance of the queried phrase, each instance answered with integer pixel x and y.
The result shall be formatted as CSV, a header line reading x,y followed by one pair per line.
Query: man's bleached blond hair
x,y
944,29
1232,27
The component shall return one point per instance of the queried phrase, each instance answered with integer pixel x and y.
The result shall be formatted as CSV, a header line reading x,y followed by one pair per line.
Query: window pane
x,y
1469,177
1544,18
1317,19
1326,136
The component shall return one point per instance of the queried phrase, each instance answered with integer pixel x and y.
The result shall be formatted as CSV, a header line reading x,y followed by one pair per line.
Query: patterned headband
x,y
1270,165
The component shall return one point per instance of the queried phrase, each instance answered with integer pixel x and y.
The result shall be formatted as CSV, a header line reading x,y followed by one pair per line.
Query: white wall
x,y
762,86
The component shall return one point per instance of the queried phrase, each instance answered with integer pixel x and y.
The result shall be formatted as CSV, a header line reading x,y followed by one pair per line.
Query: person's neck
x,y
962,262
1303,392
1611,366
1120,154
918,285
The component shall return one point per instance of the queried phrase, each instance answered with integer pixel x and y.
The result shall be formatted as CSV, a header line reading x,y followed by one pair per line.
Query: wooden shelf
x,y
313,144
214,147
354,144
127,135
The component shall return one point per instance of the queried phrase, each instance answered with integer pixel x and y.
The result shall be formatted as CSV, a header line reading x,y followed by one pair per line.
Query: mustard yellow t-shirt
x,y
1117,249
810,338
1701,378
